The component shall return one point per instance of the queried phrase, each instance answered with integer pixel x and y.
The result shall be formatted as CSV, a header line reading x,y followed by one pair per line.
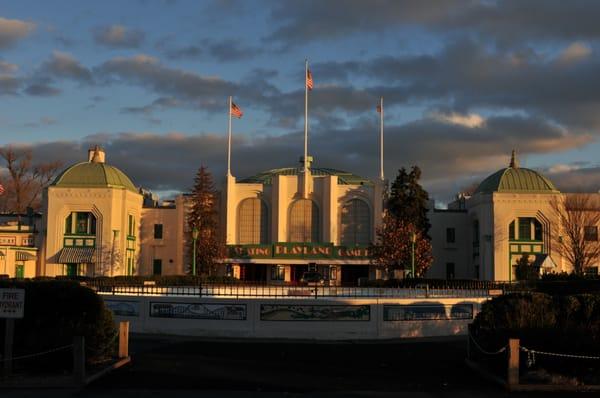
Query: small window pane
x,y
158,231
450,235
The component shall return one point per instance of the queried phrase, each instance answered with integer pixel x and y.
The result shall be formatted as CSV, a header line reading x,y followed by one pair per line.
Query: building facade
x,y
284,222
511,214
91,221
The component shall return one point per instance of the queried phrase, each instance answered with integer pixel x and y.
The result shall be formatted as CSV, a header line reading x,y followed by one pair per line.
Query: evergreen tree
x,y
407,201
204,216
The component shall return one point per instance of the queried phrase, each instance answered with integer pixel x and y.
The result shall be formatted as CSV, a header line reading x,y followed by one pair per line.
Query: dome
x,y
344,178
515,179
94,174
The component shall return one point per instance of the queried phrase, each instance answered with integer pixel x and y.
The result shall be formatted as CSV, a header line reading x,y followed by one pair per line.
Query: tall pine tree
x,y
204,216
407,201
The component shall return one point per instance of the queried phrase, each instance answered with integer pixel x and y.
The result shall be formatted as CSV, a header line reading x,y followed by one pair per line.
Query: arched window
x,y
304,221
355,223
252,221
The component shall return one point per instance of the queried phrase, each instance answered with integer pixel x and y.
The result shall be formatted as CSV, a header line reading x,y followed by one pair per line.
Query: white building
x,y
284,222
482,236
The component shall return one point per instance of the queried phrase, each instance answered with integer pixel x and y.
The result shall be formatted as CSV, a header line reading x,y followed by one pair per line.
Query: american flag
x,y
236,111
309,80
1,189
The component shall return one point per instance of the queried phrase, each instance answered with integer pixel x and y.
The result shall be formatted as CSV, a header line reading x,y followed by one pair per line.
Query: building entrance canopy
x,y
76,255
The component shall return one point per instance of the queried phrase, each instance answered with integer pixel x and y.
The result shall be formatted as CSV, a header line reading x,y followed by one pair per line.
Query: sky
x,y
464,82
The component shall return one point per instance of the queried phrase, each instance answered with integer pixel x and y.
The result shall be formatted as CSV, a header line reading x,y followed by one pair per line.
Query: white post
x,y
305,116
381,139
229,140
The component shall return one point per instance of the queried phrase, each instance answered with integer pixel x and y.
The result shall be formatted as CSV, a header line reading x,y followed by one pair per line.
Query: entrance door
x,y
72,269
20,271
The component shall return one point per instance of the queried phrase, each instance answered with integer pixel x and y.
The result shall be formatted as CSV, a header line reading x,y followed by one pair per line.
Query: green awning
x,y
77,255
24,256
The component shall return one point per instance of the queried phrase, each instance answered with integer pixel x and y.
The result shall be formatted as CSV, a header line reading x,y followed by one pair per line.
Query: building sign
x,y
215,311
299,251
427,312
285,312
12,303
123,308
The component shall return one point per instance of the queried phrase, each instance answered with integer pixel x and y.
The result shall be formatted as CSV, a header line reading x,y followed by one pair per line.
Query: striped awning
x,y
76,255
24,256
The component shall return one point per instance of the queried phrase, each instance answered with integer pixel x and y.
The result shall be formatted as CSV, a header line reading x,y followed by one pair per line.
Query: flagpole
x,y
229,141
305,116
381,139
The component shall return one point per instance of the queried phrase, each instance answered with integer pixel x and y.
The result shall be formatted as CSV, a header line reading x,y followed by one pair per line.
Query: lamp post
x,y
413,241
194,239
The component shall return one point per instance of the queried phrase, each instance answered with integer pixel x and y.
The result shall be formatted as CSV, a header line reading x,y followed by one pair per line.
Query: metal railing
x,y
274,291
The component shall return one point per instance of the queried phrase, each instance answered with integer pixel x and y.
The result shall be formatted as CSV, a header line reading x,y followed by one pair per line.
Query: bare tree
x,y
25,181
575,236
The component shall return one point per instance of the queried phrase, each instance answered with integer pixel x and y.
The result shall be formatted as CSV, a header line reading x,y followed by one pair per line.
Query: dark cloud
x,y
448,153
42,90
63,65
118,36
506,21
150,73
13,30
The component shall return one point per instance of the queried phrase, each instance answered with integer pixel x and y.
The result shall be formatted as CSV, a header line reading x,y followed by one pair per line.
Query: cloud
x,y
447,153
118,36
63,65
574,53
42,89
13,30
186,52
471,120
42,122
7,67
505,21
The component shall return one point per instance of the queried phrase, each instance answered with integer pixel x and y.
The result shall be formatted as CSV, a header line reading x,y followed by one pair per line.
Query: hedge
x,y
560,324
55,312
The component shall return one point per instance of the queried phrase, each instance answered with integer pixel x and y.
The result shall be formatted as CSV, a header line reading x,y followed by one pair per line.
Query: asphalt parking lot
x,y
293,366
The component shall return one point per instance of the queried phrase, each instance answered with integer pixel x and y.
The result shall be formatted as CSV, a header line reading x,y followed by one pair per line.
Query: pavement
x,y
166,366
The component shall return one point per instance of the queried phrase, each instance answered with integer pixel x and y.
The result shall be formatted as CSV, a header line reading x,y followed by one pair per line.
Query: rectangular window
x,y
511,231
131,226
449,270
333,273
157,266
69,225
590,233
524,228
277,273
450,235
158,231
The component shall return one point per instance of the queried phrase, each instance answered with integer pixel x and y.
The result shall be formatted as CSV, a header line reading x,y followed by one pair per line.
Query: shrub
x,y
55,312
567,324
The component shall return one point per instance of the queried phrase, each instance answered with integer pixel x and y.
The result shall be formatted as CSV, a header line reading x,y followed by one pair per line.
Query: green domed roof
x,y
515,179
93,175
344,178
